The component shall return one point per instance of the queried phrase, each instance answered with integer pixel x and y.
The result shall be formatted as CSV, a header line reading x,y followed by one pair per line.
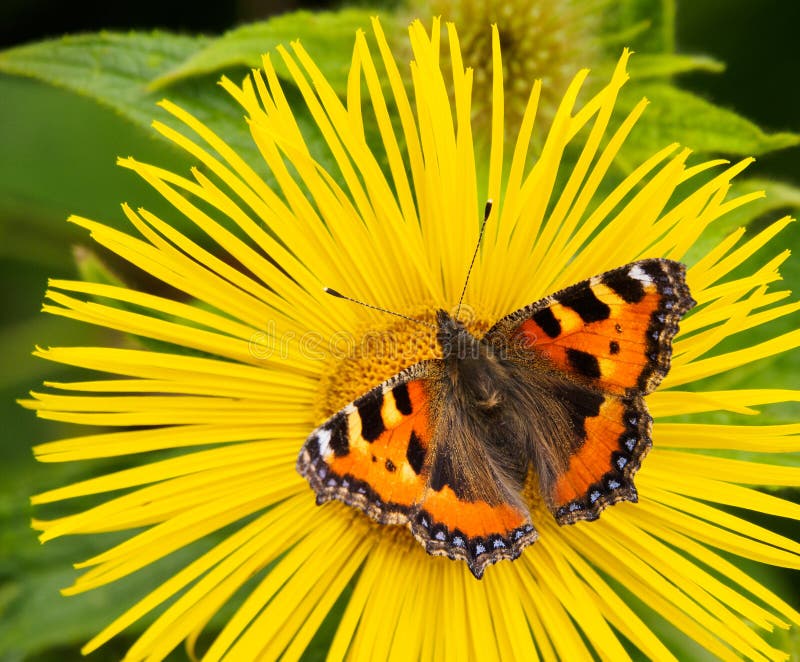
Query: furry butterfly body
x,y
553,393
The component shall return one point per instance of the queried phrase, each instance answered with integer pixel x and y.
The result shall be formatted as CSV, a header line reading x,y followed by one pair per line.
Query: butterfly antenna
x,y
486,211
339,295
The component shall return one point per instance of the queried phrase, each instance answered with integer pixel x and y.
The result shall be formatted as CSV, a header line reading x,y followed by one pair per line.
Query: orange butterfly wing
x,y
377,454
612,335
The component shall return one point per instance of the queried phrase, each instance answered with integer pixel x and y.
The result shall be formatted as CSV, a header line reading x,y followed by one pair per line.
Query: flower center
x,y
546,39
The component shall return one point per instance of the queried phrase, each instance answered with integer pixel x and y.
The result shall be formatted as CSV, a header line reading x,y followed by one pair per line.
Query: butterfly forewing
x,y
372,453
613,332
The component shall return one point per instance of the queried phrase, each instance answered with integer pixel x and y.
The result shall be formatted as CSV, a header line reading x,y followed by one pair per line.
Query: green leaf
x,y
55,163
115,70
660,65
112,68
33,614
674,114
36,617
647,26
786,641
327,36
92,269
31,575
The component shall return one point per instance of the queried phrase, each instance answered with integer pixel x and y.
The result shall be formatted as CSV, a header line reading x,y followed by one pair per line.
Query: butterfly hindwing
x,y
477,532
471,508
613,332
614,438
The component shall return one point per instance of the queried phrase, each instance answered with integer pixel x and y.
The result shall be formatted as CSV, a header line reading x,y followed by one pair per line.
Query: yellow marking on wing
x,y
570,320
354,427
391,416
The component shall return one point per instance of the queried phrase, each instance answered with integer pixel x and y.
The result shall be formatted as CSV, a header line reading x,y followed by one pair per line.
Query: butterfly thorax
x,y
470,364
493,397
478,417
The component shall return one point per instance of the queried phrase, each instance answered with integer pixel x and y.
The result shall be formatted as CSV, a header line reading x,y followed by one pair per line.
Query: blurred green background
x,y
57,153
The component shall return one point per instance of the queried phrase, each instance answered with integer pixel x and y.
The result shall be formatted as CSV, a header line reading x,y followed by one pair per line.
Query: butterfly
x,y
553,392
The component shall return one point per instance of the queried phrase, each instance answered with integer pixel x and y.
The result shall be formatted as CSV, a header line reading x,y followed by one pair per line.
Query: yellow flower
x,y
395,224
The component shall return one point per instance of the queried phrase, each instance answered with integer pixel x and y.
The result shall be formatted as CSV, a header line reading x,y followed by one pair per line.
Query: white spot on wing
x,y
324,441
639,274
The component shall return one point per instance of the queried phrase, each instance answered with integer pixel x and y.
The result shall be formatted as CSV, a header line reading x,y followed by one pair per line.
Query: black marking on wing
x,y
582,403
369,409
401,398
626,287
676,300
584,363
548,322
443,474
339,443
584,302
415,454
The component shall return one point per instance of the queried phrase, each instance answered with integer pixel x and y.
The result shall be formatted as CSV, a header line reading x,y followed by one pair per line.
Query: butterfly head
x,y
454,339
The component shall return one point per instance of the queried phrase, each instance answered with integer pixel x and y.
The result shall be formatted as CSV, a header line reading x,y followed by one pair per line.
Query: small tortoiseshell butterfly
x,y
556,388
